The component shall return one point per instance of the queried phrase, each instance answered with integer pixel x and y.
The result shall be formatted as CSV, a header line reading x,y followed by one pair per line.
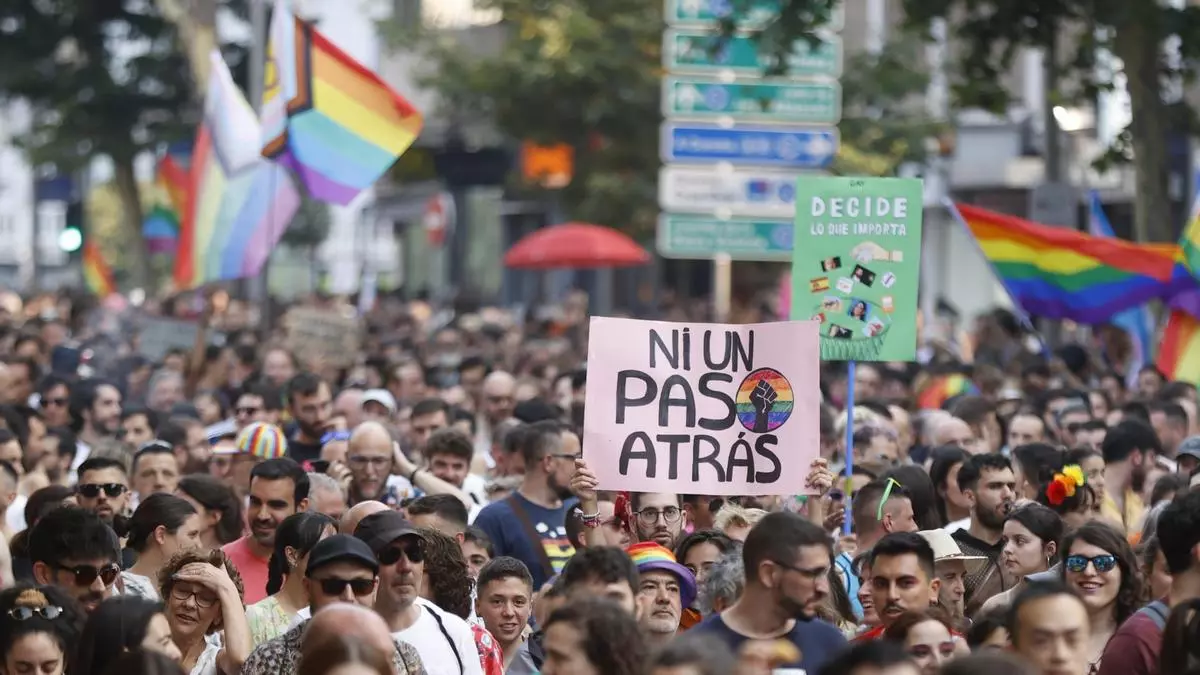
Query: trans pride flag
x,y
326,117
238,204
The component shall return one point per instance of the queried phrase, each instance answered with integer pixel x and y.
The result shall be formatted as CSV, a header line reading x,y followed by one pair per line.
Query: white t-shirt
x,y
15,516
957,525
433,642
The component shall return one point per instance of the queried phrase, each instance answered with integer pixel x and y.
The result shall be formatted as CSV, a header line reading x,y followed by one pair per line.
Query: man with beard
x,y
103,488
654,516
902,579
311,406
379,473
1129,450
496,405
787,563
278,489
74,549
531,524
665,588
96,415
990,486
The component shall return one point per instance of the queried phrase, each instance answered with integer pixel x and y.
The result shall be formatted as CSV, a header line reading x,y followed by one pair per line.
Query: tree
x,y
989,34
104,77
309,227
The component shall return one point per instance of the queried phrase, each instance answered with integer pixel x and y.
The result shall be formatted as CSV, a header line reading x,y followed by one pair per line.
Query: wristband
x,y
412,477
590,520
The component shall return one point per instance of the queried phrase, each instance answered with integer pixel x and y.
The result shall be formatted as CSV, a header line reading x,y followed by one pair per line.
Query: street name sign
x,y
685,236
762,101
705,52
791,147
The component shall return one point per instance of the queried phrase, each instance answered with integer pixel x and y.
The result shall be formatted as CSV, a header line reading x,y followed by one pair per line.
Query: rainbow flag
x,y
326,116
937,390
160,229
1179,351
1058,273
238,204
96,272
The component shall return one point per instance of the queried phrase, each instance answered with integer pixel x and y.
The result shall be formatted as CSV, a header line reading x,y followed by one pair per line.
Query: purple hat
x,y
648,555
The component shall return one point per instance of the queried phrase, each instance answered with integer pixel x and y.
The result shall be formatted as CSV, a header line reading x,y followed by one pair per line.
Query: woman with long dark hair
x,y
297,535
952,505
120,625
219,508
1099,563
1032,534
162,526
448,585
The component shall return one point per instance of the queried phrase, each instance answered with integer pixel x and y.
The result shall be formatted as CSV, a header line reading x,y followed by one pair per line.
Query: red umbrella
x,y
577,245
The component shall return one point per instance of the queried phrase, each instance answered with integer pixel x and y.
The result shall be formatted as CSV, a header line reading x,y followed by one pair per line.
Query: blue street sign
x,y
799,148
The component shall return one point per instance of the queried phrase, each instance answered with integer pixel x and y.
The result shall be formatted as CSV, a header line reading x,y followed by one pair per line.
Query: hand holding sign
x,y
819,478
763,398
583,483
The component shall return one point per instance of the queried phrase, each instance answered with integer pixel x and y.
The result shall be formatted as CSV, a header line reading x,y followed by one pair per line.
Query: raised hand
x,y
762,398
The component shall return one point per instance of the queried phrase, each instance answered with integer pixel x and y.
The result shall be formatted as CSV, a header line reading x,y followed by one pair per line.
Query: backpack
x,y
1157,611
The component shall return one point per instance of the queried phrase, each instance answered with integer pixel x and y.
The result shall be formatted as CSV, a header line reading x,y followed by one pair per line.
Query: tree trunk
x,y
196,21
138,259
1138,44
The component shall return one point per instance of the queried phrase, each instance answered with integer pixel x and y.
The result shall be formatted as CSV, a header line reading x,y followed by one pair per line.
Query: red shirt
x,y
1134,648
875,633
252,568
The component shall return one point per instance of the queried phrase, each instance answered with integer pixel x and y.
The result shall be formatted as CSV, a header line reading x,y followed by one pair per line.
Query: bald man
x,y
954,431
349,404
346,620
354,516
380,472
498,399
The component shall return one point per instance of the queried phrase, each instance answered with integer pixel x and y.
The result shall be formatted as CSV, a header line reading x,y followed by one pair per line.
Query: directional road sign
x,y
759,193
683,236
758,14
765,101
792,147
704,52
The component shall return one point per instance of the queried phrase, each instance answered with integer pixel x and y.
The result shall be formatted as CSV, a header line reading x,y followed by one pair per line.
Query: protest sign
x,y
329,336
701,408
856,263
158,337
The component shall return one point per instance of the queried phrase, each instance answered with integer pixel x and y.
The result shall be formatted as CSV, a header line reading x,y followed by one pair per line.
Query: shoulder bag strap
x,y
535,539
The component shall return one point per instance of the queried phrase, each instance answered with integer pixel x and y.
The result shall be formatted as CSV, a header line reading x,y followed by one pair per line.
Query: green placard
x,y
705,51
856,265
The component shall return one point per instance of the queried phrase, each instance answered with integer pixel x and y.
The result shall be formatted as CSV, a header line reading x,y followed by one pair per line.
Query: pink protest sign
x,y
702,408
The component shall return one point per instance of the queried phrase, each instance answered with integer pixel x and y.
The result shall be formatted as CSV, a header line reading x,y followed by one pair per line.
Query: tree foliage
x,y
988,35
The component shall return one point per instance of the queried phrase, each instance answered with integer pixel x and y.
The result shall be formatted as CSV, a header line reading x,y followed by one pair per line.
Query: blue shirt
x,y
844,565
817,641
508,535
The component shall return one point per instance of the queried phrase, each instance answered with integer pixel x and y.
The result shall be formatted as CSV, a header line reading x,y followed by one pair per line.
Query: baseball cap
x,y
341,548
220,430
648,556
263,440
379,530
1190,447
381,396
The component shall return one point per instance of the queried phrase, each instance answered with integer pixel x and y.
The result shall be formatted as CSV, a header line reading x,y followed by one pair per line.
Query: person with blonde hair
x,y
737,521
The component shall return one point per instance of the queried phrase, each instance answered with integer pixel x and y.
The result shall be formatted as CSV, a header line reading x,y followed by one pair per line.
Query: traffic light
x,y
71,239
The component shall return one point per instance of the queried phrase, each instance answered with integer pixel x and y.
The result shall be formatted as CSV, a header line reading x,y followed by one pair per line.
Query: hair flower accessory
x,y
1064,484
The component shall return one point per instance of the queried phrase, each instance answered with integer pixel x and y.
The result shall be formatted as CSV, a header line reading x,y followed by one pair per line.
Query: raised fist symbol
x,y
762,398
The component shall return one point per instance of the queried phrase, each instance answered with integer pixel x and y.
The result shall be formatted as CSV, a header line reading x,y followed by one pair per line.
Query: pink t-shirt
x,y
252,568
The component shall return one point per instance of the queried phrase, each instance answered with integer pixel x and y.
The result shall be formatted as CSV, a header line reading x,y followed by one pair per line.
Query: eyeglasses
x,y
409,549
359,460
564,455
650,516
335,586
946,649
815,573
92,490
49,612
85,575
1102,563
204,598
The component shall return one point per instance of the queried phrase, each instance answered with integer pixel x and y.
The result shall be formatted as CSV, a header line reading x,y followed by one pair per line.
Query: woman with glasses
x,y
1100,565
220,510
162,526
927,637
204,594
120,625
39,626
294,540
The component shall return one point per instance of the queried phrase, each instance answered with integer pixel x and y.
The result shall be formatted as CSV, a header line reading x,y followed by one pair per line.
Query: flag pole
x,y
258,287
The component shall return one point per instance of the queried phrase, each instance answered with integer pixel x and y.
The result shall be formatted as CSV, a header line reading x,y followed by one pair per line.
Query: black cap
x,y
341,548
379,530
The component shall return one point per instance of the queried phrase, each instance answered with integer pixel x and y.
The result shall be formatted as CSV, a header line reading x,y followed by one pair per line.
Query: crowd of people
x,y
428,509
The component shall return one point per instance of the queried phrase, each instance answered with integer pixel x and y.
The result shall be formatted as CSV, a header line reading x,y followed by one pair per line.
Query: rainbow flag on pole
x,y
326,116
238,204
1058,273
96,272
160,229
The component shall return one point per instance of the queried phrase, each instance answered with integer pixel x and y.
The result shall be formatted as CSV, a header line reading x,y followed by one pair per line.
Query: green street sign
x,y
705,52
701,98
757,14
700,237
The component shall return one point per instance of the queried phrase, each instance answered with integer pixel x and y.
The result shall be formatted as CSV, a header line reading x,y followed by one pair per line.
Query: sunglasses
x,y
335,586
49,612
60,402
85,575
92,490
411,550
1102,563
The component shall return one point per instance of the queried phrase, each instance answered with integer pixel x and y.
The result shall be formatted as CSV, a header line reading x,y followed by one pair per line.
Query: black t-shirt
x,y
817,641
303,452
